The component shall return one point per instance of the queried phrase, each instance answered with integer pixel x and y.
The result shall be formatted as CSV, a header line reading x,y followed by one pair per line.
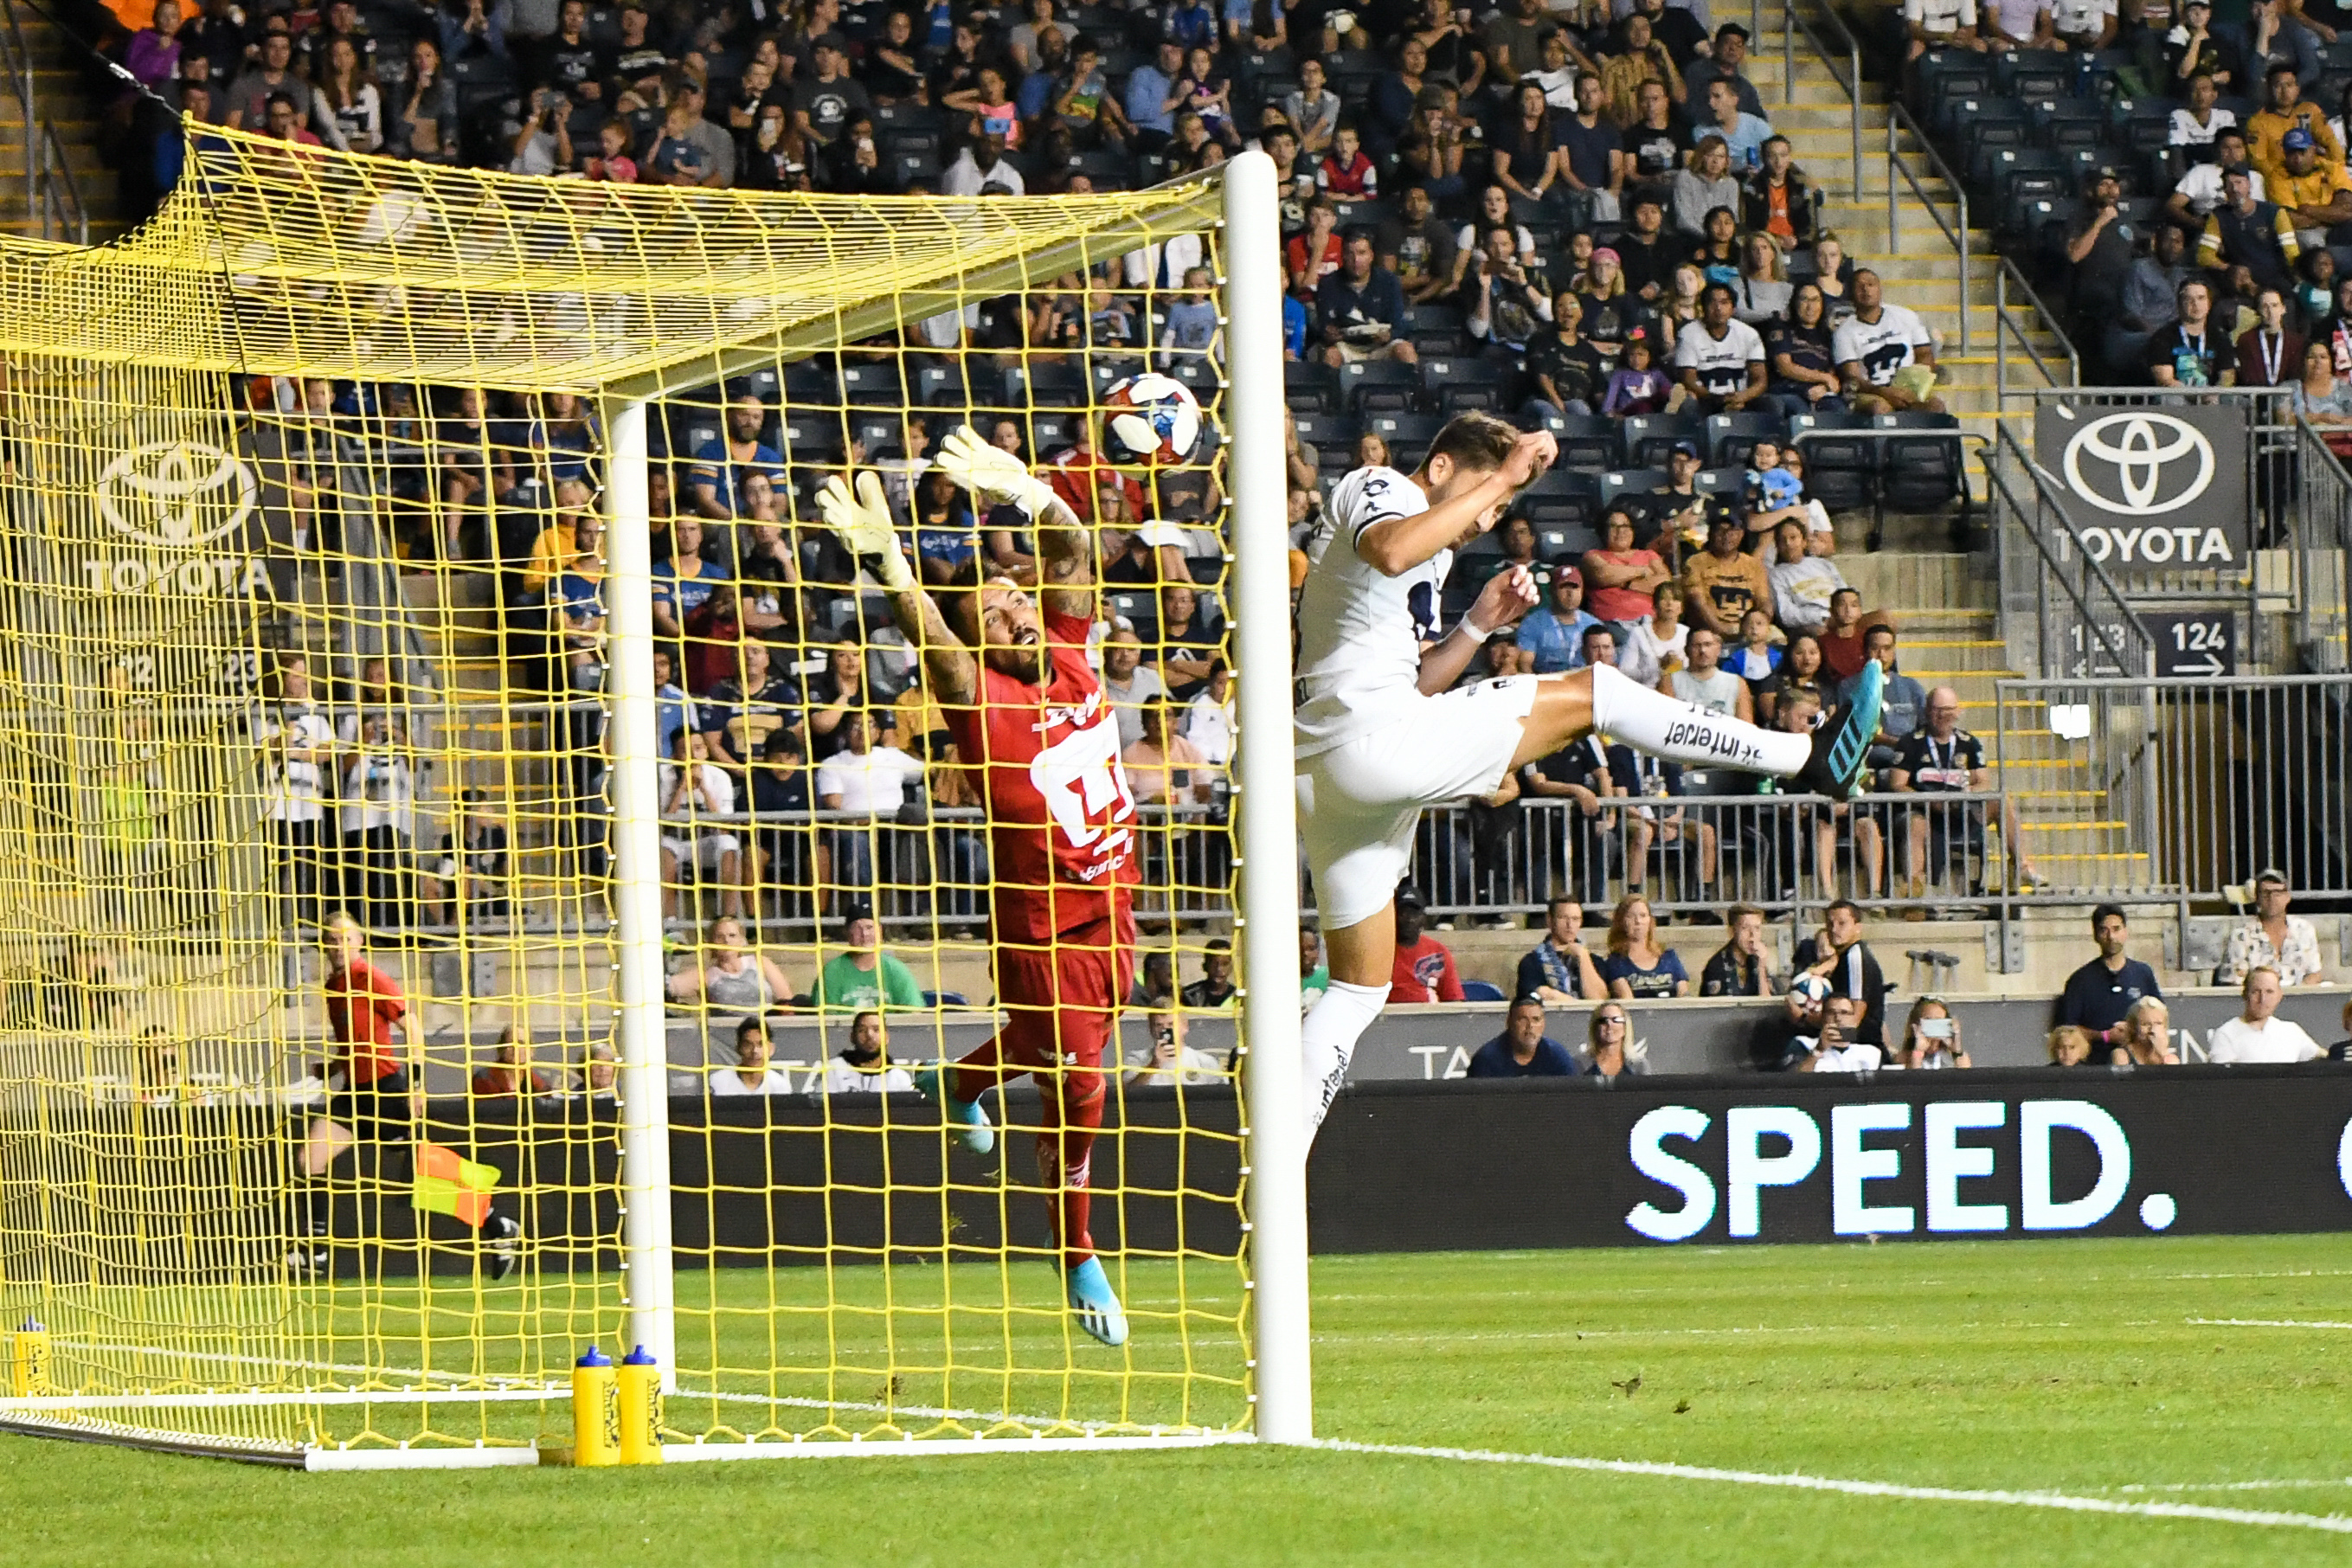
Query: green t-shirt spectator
x,y
843,987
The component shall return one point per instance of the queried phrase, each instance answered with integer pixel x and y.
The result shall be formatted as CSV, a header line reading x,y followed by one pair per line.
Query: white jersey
x,y
1880,347
1721,363
1360,630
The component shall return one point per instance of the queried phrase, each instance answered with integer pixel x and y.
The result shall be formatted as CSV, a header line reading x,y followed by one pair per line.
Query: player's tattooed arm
x,y
954,673
1066,572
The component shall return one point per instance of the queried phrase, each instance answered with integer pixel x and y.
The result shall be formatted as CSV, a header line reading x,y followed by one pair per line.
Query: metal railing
x,y
2318,543
2007,279
2087,627
1792,24
51,196
1899,173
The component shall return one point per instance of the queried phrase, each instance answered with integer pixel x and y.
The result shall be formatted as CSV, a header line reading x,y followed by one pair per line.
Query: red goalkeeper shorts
x,y
1062,1001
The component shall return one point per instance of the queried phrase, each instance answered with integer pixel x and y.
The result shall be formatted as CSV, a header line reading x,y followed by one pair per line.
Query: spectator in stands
x,y
1638,385
1704,683
1214,991
1522,1049
1840,637
697,796
1721,359
1417,247
1503,302
2083,26
1755,656
1311,107
1840,957
2273,36
868,780
1803,584
832,696
1903,700
1316,254
1637,965
1658,644
1842,1044
1130,683
2195,47
1639,63
1609,1043
1424,966
425,126
2017,24
2189,353
1930,1039
1800,350
2242,231
1565,373
1738,967
1777,200
1742,132
2269,353
1561,968
2270,938
982,169
1763,287
2196,124
1884,353
270,75
2146,303
1208,720
863,976
1359,306
1592,163
1171,1060
2144,1037
2100,243
510,1075
729,976
1647,259
2283,113
1162,766
2099,998
751,1074
1941,24
863,1066
1314,973
1552,636
296,743
1730,54
1707,181
2315,195
2203,188
1189,641
2258,1034
2324,400
1798,674
469,876
1621,578
2072,1047
685,149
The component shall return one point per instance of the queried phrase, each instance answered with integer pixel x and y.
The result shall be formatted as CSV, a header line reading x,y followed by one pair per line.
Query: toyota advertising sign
x,y
2150,486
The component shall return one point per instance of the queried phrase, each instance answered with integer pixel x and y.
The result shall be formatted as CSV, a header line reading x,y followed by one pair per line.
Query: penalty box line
x,y
2064,1502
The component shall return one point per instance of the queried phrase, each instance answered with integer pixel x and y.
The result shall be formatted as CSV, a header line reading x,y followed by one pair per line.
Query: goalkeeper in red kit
x,y
1029,716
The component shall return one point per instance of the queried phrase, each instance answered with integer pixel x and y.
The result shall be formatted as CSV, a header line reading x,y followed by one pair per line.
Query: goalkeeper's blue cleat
x,y
1095,1305
967,1122
1841,745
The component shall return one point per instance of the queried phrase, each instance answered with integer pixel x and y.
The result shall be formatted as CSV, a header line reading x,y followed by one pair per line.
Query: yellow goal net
x,y
484,873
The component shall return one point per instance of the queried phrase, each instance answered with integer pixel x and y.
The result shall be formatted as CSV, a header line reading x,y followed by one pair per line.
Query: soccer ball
x,y
1153,418
1808,991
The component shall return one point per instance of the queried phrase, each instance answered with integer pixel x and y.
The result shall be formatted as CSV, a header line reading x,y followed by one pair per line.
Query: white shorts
x,y
705,851
1359,802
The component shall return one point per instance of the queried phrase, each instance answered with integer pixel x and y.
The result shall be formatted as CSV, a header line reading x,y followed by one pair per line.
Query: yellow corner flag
x,y
447,1183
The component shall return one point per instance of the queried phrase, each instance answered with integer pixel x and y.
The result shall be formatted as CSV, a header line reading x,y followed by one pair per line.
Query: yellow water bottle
x,y
640,1390
29,1366
595,1411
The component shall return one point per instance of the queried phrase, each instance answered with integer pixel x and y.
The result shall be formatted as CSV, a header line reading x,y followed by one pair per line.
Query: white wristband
x,y
1477,636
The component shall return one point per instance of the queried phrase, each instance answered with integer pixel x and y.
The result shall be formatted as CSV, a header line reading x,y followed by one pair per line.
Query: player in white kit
x,y
1380,736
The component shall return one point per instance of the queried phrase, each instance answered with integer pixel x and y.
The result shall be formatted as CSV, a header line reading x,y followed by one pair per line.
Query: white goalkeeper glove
x,y
862,523
991,473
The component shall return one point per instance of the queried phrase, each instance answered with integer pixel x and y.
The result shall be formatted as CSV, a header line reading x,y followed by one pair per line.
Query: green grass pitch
x,y
2095,1369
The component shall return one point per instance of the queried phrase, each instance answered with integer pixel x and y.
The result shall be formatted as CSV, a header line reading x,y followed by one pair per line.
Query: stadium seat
x,y
1919,473
1629,481
1408,435
1310,388
1457,384
874,384
1199,374
1650,437
1840,470
2034,73
1481,991
1325,431
1587,442
1380,386
1730,482
1046,384
943,385
1109,170
1730,438
944,999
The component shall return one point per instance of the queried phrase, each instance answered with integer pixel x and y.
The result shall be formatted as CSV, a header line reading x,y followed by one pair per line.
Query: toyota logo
x,y
175,494
2142,463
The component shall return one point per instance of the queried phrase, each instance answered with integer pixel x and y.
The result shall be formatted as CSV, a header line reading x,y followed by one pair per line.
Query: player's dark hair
x,y
1478,441
2104,911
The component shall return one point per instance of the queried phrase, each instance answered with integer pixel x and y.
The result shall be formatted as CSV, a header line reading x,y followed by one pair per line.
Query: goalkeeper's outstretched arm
x,y
861,517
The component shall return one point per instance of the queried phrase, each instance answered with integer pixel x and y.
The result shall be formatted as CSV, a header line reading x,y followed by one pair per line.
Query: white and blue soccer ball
x,y
1153,418
1808,991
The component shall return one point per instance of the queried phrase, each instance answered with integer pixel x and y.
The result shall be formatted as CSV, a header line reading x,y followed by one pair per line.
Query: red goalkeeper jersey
x,y
363,1002
1061,819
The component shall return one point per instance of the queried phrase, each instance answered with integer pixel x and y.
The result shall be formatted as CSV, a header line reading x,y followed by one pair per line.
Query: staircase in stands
x,y
61,97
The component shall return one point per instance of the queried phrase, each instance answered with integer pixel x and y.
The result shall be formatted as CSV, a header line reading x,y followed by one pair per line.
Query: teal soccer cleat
x,y
1840,746
1095,1305
968,1123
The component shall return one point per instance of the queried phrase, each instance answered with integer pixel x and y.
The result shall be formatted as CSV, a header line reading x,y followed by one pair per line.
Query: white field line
x,y
2061,1501
2265,1323
2228,1486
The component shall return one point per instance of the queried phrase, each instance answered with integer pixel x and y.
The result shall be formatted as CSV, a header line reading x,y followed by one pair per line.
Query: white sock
x,y
1328,1037
1625,710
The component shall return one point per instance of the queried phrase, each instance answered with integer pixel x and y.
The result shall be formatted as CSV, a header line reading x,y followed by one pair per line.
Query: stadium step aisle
x,y
62,96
